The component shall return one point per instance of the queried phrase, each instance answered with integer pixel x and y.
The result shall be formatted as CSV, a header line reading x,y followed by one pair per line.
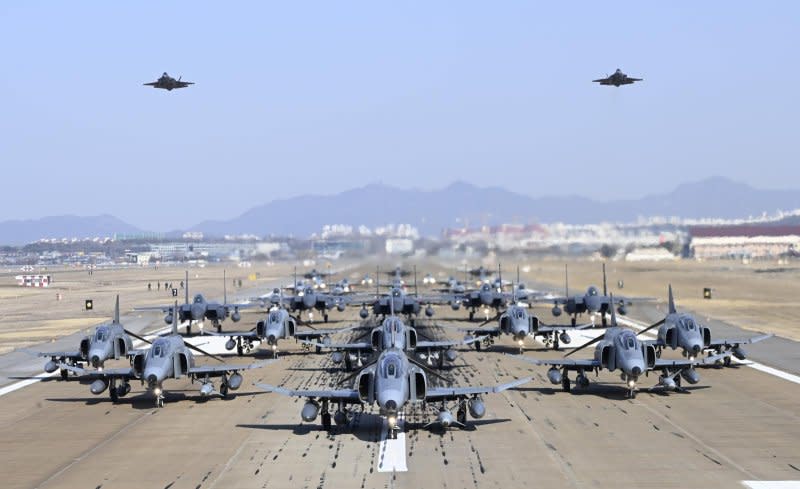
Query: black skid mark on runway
x,y
678,435
795,468
655,427
203,480
710,457
549,423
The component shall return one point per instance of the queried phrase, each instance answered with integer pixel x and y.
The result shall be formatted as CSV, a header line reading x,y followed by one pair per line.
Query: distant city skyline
x,y
296,99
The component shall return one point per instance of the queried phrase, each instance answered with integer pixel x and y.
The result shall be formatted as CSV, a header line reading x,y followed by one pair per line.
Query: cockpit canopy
x,y
392,325
688,323
159,349
309,291
391,366
274,317
396,292
198,299
101,334
486,287
592,291
518,313
627,341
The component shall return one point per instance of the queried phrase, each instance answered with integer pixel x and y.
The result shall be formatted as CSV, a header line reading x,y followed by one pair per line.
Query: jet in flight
x,y
617,79
168,83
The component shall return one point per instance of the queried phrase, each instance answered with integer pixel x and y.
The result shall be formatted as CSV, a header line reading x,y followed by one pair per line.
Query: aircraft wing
x,y
440,393
234,334
123,373
339,346
154,308
341,394
316,333
729,342
549,328
220,369
481,331
62,354
685,363
445,344
569,363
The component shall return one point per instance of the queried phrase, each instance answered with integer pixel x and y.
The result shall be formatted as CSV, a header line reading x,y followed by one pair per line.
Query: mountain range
x,y
456,205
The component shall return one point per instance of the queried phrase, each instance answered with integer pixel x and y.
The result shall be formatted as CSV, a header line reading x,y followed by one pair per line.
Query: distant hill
x,y
460,203
17,232
456,205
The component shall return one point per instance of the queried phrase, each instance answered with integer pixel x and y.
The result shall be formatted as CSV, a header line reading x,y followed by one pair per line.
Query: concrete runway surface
x,y
737,424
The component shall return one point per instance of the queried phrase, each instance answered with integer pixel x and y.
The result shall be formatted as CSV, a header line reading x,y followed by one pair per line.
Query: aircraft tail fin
x,y
416,290
175,318
116,311
224,287
672,309
186,288
605,283
566,280
613,313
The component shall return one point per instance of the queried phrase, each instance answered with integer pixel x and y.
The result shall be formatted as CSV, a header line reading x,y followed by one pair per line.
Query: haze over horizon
x,y
296,99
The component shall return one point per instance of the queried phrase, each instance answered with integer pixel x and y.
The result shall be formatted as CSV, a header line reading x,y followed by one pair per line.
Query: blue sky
x,y
317,97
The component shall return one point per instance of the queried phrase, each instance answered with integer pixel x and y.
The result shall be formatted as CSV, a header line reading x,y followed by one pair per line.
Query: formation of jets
x,y
398,363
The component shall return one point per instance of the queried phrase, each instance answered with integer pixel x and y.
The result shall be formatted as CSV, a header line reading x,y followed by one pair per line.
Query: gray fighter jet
x,y
519,324
278,325
395,383
200,309
110,340
617,79
168,83
394,333
169,357
591,302
619,348
681,330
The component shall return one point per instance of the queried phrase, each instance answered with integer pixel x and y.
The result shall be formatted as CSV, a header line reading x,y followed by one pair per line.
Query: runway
x,y
737,424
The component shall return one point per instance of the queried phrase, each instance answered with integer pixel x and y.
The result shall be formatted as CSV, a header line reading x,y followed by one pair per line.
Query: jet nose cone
x,y
696,349
95,361
152,379
271,339
636,371
391,405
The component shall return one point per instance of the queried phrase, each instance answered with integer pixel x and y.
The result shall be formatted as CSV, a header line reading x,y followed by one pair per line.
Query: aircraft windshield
x,y
101,334
274,317
158,350
394,326
198,299
309,291
593,291
486,287
391,367
627,342
519,314
689,324
395,292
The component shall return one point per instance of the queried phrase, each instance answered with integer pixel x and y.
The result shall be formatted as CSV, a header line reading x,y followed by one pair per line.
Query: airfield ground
x,y
737,424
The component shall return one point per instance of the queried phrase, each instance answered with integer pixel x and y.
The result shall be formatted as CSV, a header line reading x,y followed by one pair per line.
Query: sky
x,y
305,97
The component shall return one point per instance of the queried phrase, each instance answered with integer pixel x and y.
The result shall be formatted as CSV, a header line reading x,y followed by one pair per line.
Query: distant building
x,y
650,254
399,246
33,280
743,241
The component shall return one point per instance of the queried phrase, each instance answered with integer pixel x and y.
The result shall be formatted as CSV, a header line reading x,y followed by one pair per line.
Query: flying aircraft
x,y
681,330
393,333
619,348
169,357
395,382
617,79
168,83
518,323
200,309
110,340
278,325
591,302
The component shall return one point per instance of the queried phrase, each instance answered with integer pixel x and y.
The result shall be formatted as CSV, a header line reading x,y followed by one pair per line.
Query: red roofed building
x,y
743,241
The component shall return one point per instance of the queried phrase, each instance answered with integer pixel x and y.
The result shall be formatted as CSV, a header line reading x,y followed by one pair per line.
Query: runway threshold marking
x,y
772,484
392,453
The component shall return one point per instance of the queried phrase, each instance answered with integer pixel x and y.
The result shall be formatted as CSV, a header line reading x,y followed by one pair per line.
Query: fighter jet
x,y
309,300
110,340
278,325
617,79
395,382
619,348
169,357
681,330
168,83
393,333
200,309
519,324
591,302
